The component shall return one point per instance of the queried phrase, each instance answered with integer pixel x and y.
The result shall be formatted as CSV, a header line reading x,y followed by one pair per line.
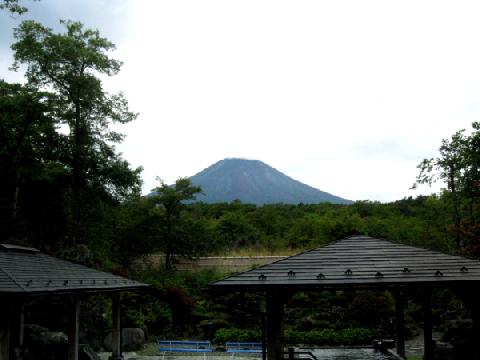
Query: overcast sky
x,y
345,96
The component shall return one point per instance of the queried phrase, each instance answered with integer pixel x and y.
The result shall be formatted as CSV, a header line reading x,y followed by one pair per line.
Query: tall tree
x,y
30,149
458,166
69,64
171,201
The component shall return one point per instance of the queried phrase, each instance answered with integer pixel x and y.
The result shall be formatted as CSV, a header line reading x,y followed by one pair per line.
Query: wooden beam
x,y
400,322
116,327
427,324
73,329
275,312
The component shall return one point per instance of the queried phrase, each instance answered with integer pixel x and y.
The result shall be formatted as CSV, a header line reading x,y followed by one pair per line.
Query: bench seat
x,y
243,347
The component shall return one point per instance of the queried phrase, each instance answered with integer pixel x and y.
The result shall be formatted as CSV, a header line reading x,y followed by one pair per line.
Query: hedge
x,y
349,336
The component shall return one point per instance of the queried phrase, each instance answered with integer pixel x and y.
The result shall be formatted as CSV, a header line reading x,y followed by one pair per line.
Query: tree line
x,y
66,190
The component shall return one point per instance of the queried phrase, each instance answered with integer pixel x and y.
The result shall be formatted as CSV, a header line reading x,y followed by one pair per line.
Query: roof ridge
x,y
13,279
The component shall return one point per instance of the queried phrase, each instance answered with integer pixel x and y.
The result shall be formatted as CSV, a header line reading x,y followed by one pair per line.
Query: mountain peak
x,y
253,181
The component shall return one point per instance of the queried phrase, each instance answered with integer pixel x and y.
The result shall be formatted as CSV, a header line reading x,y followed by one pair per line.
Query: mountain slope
x,y
252,181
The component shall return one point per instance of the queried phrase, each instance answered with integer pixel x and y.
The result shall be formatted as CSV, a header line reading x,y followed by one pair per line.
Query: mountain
x,y
252,181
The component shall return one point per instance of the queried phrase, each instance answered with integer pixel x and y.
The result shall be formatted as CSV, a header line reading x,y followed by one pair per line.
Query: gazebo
x,y
26,272
362,262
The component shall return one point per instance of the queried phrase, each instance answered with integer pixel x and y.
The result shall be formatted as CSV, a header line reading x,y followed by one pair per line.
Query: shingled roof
x,y
27,271
358,261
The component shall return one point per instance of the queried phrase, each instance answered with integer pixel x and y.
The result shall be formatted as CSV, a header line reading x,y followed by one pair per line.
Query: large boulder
x,y
459,333
444,351
132,339
45,344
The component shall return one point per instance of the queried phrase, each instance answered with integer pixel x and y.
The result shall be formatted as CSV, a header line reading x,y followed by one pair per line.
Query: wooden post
x,y
274,324
400,322
4,330
427,324
116,327
17,328
471,297
73,329
475,311
264,340
291,353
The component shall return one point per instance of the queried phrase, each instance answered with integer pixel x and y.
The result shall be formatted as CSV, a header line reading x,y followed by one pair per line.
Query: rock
x,y
85,352
45,344
132,339
444,351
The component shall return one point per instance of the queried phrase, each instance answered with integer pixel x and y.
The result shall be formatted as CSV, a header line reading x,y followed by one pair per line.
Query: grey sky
x,y
345,96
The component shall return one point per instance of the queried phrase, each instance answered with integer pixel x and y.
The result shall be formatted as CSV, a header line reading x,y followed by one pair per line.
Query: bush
x,y
349,336
224,335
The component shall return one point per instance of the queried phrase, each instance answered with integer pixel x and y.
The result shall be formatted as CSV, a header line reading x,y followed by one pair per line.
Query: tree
x,y
135,230
13,6
69,64
458,167
171,201
30,154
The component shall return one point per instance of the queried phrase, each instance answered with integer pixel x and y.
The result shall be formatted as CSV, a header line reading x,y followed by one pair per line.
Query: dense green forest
x,y
66,190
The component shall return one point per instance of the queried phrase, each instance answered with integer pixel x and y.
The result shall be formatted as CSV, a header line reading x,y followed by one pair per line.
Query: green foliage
x,y
422,221
349,336
224,335
13,6
177,232
177,303
68,65
458,167
31,153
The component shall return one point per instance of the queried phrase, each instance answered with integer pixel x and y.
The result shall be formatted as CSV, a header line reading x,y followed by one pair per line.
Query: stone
x,y
85,352
444,351
45,344
132,339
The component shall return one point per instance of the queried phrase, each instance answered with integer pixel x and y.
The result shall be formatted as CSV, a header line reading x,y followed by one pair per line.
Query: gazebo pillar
x,y
116,327
475,311
275,311
400,322
17,328
427,324
5,319
73,329
471,298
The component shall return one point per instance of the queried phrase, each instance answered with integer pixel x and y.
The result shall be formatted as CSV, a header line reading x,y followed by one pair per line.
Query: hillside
x,y
252,181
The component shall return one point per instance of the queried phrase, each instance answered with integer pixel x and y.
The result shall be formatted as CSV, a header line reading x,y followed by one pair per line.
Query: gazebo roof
x,y
358,262
27,271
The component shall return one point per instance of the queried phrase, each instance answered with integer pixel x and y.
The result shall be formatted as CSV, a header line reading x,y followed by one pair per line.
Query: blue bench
x,y
243,347
185,346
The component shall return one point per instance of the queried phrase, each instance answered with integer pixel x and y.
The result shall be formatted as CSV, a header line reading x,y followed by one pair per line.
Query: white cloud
x,y
346,96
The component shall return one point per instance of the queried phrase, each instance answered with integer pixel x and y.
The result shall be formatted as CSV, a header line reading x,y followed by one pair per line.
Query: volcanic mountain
x,y
252,181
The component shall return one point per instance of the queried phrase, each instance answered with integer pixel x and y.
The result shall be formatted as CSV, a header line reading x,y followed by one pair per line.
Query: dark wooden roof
x,y
27,271
358,261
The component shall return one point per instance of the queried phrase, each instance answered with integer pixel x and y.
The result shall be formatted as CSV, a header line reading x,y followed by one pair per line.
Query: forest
x,y
66,190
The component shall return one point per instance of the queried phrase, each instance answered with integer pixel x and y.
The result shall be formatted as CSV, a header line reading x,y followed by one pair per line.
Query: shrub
x,y
349,336
224,335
